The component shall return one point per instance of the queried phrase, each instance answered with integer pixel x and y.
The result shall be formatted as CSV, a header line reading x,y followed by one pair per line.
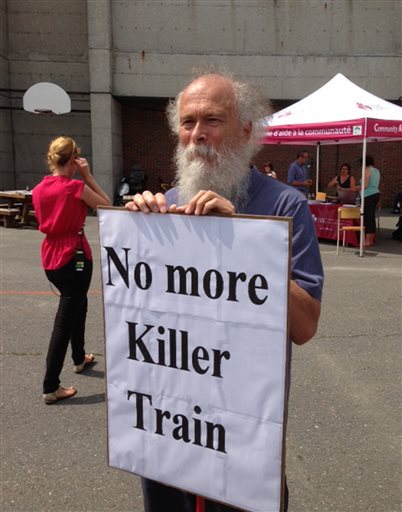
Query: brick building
x,y
147,141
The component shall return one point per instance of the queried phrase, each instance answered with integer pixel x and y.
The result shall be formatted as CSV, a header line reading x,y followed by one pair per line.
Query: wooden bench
x,y
8,216
33,221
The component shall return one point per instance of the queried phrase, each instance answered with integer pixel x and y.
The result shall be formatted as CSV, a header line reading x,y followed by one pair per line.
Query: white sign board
x,y
197,351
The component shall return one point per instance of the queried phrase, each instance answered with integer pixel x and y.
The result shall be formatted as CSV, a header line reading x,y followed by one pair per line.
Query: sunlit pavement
x,y
343,451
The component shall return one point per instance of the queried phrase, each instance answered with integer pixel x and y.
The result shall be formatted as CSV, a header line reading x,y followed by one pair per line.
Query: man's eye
x,y
187,123
214,121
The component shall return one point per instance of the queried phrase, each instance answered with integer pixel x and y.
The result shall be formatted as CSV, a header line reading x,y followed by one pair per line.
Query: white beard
x,y
202,167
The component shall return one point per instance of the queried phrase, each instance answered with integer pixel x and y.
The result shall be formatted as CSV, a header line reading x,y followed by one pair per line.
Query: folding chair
x,y
346,213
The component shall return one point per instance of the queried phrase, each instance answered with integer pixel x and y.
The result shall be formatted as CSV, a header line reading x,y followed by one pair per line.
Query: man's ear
x,y
247,129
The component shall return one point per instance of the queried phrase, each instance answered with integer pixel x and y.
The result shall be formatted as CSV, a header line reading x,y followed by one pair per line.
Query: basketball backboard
x,y
46,98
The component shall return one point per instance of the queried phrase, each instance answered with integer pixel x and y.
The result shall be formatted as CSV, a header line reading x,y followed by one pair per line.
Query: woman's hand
x,y
83,168
333,182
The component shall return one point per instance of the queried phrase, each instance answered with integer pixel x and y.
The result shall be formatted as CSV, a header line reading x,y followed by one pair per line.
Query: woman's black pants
x,y
69,324
370,204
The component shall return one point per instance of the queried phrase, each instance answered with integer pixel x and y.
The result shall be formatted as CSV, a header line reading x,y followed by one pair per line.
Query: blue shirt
x,y
373,182
266,196
297,172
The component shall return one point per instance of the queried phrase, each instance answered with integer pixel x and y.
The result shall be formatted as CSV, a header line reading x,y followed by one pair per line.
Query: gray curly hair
x,y
250,104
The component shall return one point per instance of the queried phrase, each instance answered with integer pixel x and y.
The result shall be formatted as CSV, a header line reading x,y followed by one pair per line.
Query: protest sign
x,y
197,351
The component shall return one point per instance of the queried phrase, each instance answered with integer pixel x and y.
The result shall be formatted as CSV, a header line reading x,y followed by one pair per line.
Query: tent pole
x,y
317,174
362,193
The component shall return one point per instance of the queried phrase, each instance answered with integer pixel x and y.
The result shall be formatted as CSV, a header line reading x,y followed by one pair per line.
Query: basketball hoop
x,y
43,111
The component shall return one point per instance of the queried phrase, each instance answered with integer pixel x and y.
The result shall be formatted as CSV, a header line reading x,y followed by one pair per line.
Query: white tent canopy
x,y
340,112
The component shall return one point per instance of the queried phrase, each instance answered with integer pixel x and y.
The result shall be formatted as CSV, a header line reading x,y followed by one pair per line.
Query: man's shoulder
x,y
273,196
273,186
293,164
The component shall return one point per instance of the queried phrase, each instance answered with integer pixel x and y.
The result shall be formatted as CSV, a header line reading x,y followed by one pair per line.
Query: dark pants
x,y
160,498
69,324
370,204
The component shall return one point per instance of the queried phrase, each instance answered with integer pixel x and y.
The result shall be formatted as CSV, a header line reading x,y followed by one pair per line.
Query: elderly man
x,y
217,123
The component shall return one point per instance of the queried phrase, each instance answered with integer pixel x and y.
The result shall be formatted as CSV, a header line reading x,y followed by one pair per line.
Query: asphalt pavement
x,y
344,426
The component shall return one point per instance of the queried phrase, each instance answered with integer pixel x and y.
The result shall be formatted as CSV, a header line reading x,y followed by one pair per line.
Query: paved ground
x,y
345,407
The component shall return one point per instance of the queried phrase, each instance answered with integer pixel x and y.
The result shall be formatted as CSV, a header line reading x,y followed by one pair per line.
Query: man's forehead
x,y
209,90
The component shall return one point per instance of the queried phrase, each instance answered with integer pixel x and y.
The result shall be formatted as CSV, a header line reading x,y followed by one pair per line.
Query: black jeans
x,y
69,324
161,498
370,204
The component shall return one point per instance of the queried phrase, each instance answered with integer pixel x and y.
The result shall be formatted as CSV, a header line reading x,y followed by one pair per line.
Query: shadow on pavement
x,y
82,400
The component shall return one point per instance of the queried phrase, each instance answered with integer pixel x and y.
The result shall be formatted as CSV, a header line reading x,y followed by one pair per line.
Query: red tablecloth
x,y
325,217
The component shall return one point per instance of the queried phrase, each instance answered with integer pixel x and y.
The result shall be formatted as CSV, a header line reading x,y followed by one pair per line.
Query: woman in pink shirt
x,y
60,204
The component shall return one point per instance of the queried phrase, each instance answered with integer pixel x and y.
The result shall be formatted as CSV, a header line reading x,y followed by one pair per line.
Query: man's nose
x,y
199,133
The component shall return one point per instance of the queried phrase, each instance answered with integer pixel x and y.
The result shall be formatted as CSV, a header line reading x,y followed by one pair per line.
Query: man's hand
x,y
207,201
305,183
148,202
202,203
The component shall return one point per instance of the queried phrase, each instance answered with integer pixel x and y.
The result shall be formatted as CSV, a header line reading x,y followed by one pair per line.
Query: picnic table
x,y
16,209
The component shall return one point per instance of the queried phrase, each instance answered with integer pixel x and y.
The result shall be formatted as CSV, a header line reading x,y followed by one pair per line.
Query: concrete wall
x,y
100,50
32,134
7,177
289,47
105,110
47,42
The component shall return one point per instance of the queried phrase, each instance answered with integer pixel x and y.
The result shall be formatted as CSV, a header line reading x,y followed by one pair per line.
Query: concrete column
x,y
107,161
107,155
7,170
